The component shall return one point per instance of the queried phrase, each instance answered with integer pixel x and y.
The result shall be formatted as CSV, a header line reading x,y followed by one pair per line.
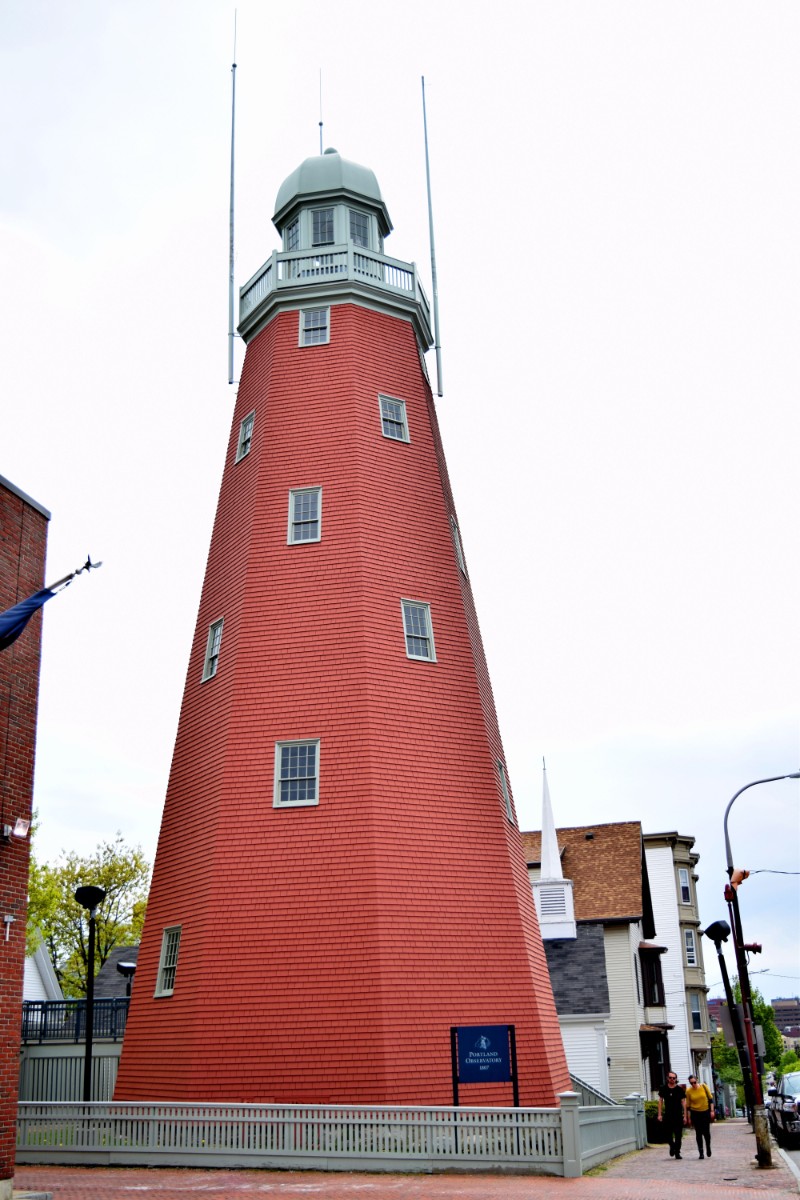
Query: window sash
x,y
322,227
393,419
213,646
305,515
691,947
293,234
697,1015
418,630
314,326
686,891
501,770
359,228
245,436
296,773
168,965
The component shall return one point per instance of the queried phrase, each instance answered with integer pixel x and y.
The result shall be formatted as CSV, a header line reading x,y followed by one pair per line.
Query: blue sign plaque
x,y
483,1054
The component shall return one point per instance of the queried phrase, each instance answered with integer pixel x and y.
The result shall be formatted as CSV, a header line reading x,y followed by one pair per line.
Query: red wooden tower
x,y
339,876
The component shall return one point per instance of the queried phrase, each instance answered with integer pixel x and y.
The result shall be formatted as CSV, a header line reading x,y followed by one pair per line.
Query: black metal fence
x,y
65,1020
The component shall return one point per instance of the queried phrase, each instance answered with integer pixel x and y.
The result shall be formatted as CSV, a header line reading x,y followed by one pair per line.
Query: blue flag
x,y
14,620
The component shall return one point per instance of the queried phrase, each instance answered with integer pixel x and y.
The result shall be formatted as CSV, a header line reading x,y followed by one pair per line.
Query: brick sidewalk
x,y
730,1174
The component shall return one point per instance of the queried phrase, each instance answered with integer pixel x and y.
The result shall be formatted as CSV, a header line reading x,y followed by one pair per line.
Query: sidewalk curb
x,y
792,1165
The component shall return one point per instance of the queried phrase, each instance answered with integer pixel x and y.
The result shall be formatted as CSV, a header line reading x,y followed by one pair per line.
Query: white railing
x,y
288,269
327,1137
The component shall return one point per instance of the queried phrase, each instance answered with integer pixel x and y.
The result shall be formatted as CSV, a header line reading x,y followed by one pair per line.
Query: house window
x,y
501,771
322,227
683,880
697,1015
457,546
691,949
305,515
245,436
296,774
314,326
293,234
418,630
168,963
359,228
212,650
393,419
652,983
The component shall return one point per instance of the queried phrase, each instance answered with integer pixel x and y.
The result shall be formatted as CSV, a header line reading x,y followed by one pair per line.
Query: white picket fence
x,y
330,1137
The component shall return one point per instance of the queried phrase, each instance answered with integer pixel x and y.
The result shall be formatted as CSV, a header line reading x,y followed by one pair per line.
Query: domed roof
x,y
329,176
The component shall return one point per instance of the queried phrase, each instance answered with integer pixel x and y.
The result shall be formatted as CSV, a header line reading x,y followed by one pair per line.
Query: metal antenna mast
x,y
230,261
436,342
320,110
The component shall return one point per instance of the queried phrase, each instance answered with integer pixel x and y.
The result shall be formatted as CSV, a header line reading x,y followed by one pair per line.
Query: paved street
x,y
731,1174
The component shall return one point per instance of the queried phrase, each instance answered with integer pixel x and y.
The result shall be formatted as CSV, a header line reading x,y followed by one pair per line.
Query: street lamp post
x,y
89,897
760,1126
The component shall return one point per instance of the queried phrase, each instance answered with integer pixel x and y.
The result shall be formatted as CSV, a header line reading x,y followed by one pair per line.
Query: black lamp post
x,y
127,970
89,897
760,1128
719,932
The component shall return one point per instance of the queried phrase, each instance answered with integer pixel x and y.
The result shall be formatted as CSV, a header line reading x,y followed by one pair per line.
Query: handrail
x,y
65,1020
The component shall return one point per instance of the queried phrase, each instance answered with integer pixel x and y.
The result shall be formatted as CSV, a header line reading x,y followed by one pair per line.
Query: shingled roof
x,y
608,870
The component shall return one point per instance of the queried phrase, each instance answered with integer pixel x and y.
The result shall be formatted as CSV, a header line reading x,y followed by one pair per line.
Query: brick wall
x,y
23,536
326,951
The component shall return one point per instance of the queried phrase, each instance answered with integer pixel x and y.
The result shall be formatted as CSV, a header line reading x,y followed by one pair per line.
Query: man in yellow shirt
x,y
700,1106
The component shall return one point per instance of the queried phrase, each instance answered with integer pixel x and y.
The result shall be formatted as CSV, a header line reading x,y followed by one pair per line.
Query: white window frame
x,y
406,608
690,947
292,234
501,771
245,436
307,335
695,1009
326,208
684,885
295,524
277,800
393,421
358,212
213,649
462,566
168,960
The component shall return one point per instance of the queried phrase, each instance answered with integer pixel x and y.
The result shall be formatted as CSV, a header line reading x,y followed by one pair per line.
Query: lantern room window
x,y
359,228
322,227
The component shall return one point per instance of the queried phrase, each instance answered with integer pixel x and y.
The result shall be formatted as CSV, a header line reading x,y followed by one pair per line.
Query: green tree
x,y
763,1015
790,1061
55,917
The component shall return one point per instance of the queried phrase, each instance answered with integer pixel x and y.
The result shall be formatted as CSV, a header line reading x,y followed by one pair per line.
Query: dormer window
x,y
359,228
322,227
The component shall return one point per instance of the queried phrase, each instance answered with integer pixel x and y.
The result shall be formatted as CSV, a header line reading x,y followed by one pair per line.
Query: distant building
x,y
786,1011
607,978
671,863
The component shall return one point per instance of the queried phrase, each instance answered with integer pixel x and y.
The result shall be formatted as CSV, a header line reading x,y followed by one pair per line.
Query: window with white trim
x,y
212,650
168,962
296,774
293,235
418,630
314,326
685,886
245,436
501,771
691,947
457,545
359,228
696,1011
305,515
394,422
322,227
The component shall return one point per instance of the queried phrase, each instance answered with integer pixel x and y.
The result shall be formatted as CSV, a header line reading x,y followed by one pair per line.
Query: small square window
x,y
305,515
296,774
683,880
212,651
691,948
501,771
293,234
457,546
168,963
418,630
245,436
314,326
359,228
393,419
322,227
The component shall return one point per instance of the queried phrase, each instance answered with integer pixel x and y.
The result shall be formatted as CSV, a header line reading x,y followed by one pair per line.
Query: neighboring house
x,y
40,981
606,869
111,983
671,864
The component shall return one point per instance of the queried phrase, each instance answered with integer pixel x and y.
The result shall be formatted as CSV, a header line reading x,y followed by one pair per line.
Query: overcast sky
x,y
616,190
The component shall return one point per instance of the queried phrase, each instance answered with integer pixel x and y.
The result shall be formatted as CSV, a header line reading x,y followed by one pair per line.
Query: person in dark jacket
x,y
672,1111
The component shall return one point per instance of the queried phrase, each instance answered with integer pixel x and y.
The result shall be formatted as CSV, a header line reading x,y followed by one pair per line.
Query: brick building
x,y
339,877
23,538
